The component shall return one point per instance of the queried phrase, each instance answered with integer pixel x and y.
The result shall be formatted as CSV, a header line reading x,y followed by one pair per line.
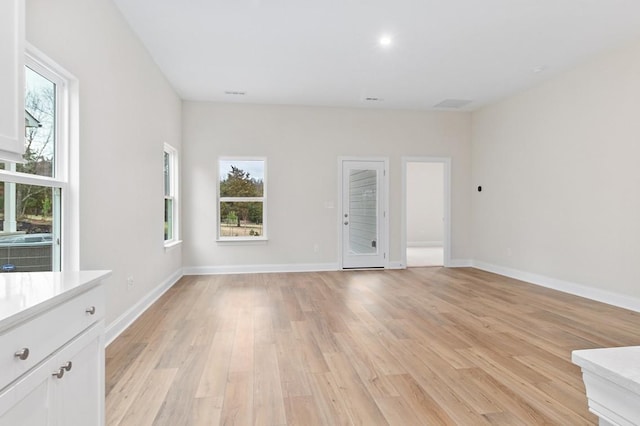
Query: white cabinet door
x,y
12,80
31,409
67,389
78,395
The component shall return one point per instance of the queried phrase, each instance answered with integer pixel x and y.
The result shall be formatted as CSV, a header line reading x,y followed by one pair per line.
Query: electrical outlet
x,y
316,248
130,281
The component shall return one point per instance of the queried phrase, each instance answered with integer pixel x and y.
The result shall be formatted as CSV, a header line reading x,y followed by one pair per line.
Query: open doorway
x,y
426,211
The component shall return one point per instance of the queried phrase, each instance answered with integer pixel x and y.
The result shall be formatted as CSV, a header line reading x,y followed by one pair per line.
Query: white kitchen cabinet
x,y
612,381
79,395
65,390
12,23
61,380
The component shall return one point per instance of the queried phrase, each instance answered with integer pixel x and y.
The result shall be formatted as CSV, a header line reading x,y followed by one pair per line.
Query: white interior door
x,y
363,214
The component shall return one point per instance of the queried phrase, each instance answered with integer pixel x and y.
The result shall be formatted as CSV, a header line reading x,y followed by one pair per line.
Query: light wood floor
x,y
424,346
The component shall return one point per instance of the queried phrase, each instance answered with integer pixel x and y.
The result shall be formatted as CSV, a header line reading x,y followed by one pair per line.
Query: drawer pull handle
x,y
91,310
65,367
59,374
22,354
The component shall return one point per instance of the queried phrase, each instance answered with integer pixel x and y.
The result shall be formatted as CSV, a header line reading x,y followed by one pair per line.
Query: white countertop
x,y
25,294
619,365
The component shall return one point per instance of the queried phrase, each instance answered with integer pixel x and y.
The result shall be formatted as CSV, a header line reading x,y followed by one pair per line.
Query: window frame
x,y
65,226
173,195
263,200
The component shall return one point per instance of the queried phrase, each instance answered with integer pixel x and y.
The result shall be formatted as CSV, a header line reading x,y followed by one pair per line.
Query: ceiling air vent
x,y
453,103
234,93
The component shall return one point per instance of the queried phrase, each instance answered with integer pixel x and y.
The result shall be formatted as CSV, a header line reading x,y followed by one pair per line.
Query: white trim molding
x,y
396,264
259,269
604,296
126,319
460,263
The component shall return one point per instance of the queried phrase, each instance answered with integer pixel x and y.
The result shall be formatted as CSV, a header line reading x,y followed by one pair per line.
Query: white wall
x,y
302,146
425,204
127,112
559,167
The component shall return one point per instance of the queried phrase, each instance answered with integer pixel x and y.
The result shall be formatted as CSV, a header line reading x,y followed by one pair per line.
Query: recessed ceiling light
x,y
385,41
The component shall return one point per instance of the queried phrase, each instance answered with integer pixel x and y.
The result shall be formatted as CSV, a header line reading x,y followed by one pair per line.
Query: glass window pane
x,y
241,178
241,219
168,219
40,126
28,228
363,212
167,174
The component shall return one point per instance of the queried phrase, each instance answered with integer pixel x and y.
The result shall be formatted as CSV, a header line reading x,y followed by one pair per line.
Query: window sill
x,y
242,241
168,246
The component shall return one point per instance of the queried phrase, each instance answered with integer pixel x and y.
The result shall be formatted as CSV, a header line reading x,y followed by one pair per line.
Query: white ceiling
x,y
326,52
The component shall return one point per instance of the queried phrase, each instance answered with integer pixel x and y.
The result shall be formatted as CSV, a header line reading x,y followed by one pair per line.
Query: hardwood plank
x,y
326,395
268,401
127,388
429,346
420,402
207,411
183,391
237,408
293,373
146,405
359,403
214,377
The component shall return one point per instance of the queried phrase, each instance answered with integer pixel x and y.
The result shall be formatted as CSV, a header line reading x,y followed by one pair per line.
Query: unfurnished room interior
x,y
319,213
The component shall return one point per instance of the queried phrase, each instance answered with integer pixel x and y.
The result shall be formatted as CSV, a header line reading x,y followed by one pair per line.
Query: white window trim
x,y
174,191
263,199
66,172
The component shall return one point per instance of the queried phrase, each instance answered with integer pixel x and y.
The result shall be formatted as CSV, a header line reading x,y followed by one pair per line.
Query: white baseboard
x,y
604,296
425,244
257,269
393,264
460,263
126,319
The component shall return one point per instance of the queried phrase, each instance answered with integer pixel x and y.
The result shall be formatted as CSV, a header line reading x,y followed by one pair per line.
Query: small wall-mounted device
x,y
479,188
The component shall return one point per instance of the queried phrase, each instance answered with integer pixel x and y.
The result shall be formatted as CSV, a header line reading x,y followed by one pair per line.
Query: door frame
x,y
384,233
446,244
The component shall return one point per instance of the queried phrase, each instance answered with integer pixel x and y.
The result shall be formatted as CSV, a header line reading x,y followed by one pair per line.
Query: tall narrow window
x,y
170,195
33,194
242,199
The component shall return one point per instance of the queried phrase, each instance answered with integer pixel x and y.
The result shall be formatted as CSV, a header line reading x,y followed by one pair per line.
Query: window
x,y
34,194
170,196
242,199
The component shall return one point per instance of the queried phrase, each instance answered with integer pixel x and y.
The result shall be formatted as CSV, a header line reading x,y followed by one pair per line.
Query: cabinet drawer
x,y
44,334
